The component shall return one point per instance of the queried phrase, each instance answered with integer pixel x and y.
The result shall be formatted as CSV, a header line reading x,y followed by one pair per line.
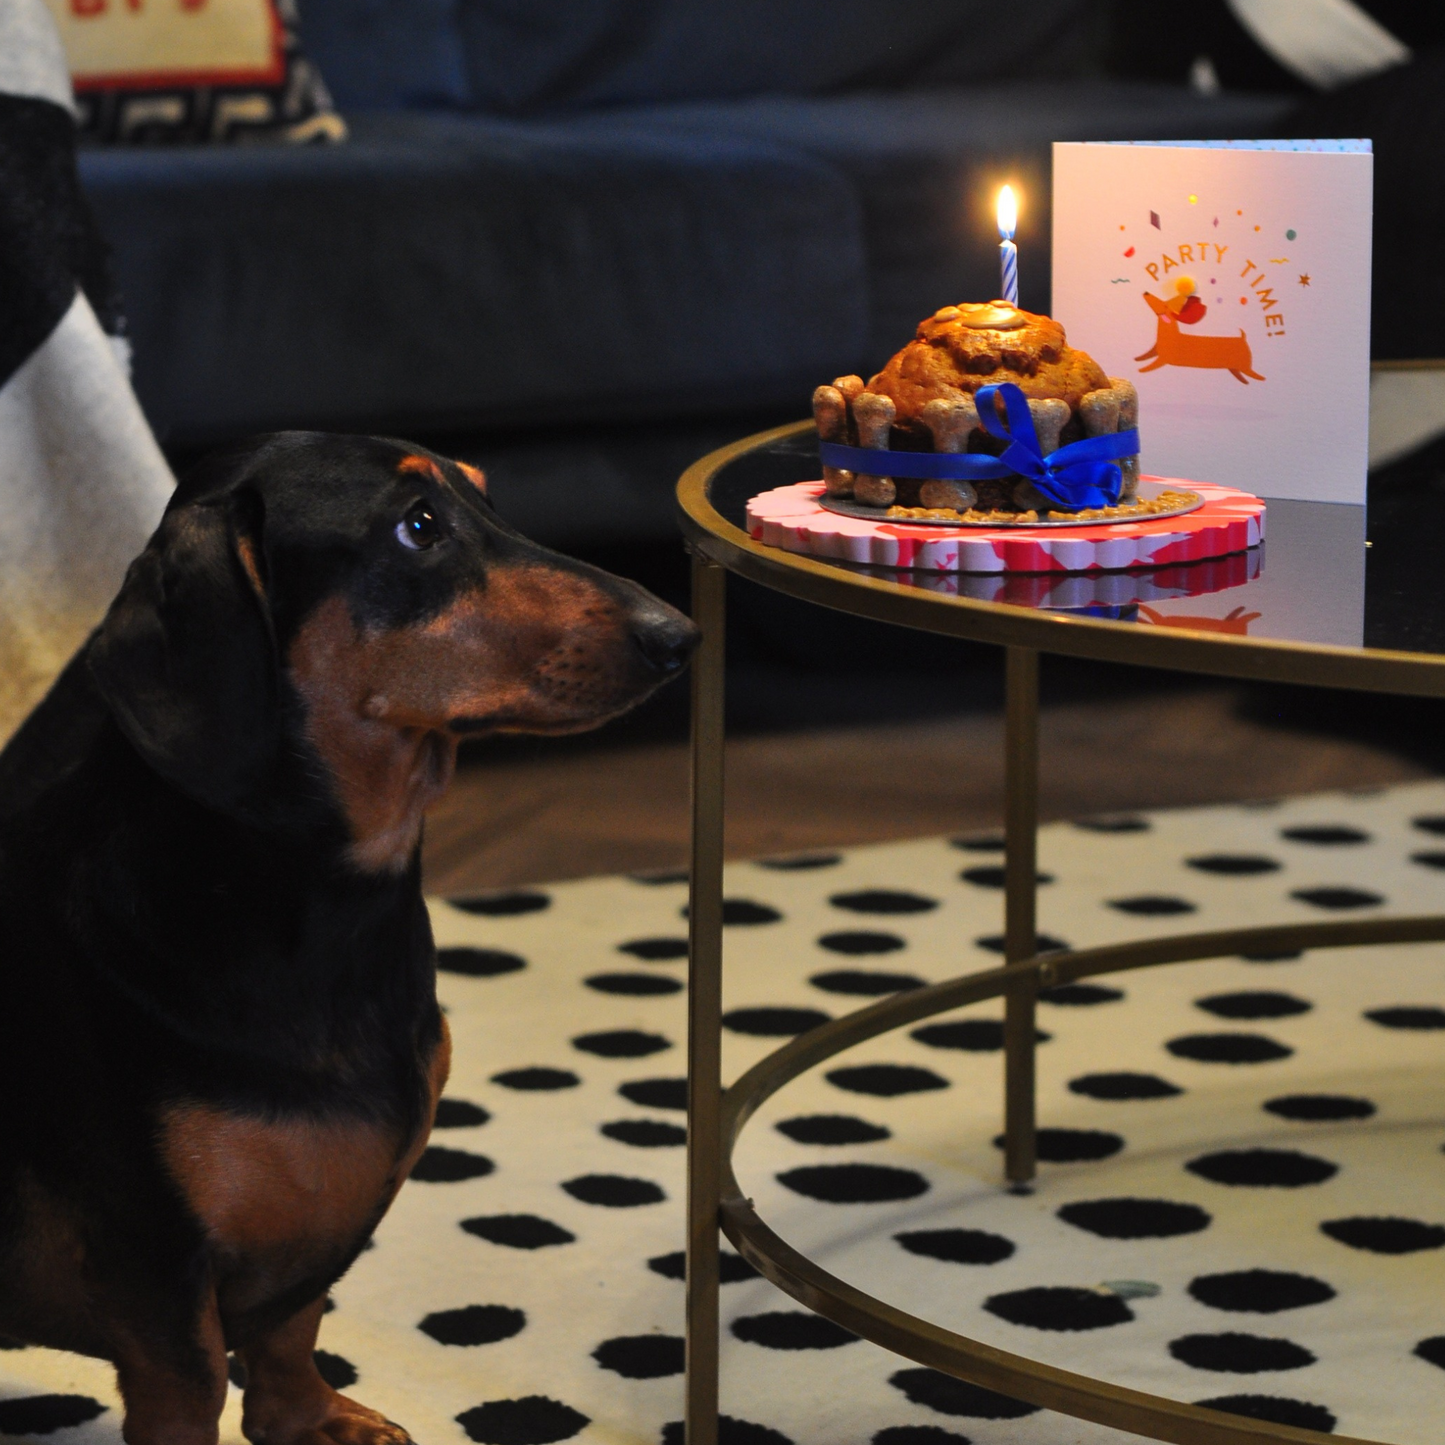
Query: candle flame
x,y
1008,213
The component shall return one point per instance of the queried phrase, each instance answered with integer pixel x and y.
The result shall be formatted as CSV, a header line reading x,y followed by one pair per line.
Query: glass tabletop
x,y
1321,577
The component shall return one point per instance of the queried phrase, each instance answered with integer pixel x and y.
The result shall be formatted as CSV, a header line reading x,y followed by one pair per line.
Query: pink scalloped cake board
x,y
790,518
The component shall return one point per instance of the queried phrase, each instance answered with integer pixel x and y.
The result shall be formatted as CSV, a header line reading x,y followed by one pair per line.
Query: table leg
x,y
1021,818
704,1006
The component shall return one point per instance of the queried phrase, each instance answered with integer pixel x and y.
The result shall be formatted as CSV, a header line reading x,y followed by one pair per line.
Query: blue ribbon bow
x,y
1081,475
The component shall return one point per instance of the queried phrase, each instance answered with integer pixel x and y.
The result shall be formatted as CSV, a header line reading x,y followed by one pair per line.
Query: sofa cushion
x,y
532,56
441,270
377,54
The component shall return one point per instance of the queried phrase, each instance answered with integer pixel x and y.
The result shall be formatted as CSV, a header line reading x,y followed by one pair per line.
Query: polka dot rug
x,y
1242,1199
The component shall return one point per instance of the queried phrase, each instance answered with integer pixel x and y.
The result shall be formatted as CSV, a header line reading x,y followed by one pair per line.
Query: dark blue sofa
x,y
581,240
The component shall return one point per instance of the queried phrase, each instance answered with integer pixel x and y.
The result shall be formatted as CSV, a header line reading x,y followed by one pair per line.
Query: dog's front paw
x,y
356,1424
346,1422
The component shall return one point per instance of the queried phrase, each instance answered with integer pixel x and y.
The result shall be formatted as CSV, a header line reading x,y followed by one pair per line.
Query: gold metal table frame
x,y
716,1119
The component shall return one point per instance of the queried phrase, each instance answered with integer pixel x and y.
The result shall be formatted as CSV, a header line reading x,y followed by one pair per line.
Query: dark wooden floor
x,y
566,813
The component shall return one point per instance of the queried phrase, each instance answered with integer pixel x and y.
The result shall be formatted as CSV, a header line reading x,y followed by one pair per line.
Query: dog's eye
x,y
419,529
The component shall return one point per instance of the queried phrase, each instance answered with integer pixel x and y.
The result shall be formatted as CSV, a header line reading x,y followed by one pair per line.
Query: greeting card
x,y
1230,281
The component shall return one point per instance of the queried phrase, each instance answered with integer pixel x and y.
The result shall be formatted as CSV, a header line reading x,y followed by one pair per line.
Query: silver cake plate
x,y
845,507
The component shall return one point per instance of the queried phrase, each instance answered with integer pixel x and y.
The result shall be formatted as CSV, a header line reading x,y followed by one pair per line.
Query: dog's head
x,y
355,606
1158,307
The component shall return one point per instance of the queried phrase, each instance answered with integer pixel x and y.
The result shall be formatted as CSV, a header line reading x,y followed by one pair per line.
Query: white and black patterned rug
x,y
1244,1199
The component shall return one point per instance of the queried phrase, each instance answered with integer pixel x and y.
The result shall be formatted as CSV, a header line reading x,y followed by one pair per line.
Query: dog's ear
x,y
186,657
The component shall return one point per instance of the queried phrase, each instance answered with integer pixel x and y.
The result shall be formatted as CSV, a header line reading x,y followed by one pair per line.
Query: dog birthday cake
x,y
987,416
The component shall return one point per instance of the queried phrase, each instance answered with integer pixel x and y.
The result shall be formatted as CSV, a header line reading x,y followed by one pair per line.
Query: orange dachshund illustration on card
x,y
1173,347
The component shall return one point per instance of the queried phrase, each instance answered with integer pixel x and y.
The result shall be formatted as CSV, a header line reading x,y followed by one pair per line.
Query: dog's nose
x,y
664,637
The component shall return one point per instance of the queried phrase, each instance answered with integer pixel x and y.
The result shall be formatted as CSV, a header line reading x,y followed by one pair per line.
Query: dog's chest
x,y
280,1197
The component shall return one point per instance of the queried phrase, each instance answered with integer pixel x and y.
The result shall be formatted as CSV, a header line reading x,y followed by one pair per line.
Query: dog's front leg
x,y
173,1394
288,1403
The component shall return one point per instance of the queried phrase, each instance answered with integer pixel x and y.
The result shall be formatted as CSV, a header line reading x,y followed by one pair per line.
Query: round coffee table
x,y
1318,605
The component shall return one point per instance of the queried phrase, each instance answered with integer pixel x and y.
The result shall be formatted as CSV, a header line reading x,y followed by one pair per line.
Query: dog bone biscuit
x,y
949,422
1128,419
948,492
873,415
1099,412
830,414
1051,416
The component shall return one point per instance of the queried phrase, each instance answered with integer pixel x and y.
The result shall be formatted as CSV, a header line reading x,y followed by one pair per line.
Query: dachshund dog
x,y
220,1046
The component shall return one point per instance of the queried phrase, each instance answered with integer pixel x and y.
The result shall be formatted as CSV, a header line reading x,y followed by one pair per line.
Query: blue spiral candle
x,y
1008,253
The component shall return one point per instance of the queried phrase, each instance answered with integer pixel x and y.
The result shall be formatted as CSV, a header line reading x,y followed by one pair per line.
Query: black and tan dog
x,y
220,1048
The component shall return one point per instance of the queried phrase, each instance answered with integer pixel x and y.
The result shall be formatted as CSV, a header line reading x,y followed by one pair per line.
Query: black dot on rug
x,y
857,942
980,843
621,1044
791,1330
1152,905
831,1129
655,950
973,1036
918,1435
1129,1218
474,1325
992,875
655,1093
531,1420
1072,1146
503,905
614,1191
1234,865
1385,1234
1337,898
441,1165
1120,1086
1125,823
235,1373
1432,1350
1239,1354
1274,1408
883,900
885,1081
1043,943
732,1268
854,1183
862,983
936,1391
1325,835
1431,823
1259,1291
1263,1168
42,1414
645,1133
1080,995
745,912
773,1023
802,862
638,984
8,1342
1228,1048
1401,1017
1059,1307
730,1432
642,1357
957,1246
459,1114
1319,1108
518,1231
1253,1004
478,962
1432,859
536,1078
